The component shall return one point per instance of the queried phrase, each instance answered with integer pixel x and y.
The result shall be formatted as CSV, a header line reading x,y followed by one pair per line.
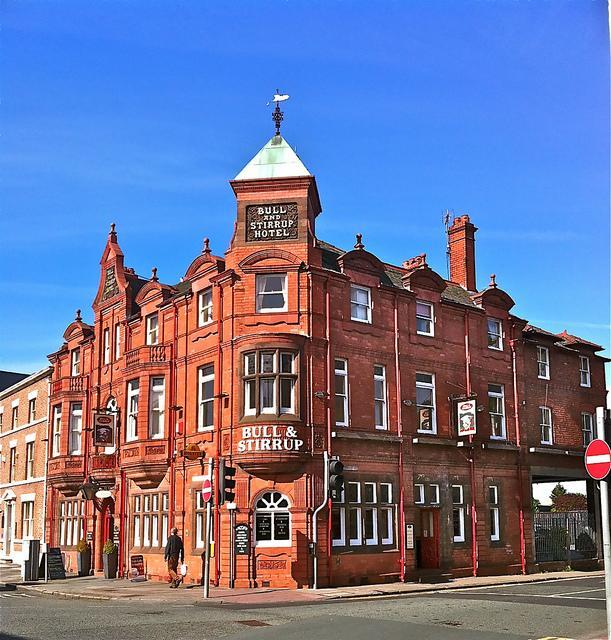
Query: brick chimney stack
x,y
461,238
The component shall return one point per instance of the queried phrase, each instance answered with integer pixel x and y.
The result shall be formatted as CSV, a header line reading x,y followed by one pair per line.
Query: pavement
x,y
96,588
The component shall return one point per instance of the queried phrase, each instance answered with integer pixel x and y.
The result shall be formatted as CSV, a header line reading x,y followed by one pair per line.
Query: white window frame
x,y
27,508
427,385
380,377
106,345
460,507
495,519
498,337
543,368
426,318
419,493
358,541
133,402
201,401
260,281
368,306
373,540
57,430
497,396
15,416
117,341
343,374
339,508
152,329
157,390
585,377
543,412
435,491
204,307
75,362
76,428
587,427
32,409
29,461
273,511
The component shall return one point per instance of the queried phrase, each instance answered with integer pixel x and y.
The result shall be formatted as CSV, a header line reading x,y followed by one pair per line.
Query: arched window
x,y
272,520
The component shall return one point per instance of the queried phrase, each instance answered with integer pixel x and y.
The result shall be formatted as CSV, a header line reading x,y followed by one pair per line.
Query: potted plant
x,y
83,557
110,557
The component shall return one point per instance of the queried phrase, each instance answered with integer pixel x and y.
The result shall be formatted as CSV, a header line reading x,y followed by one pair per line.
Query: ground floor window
x,y
150,520
27,519
363,515
272,520
493,499
458,513
200,522
71,522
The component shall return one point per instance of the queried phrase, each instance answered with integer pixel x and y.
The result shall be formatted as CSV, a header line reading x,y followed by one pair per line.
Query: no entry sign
x,y
598,459
206,490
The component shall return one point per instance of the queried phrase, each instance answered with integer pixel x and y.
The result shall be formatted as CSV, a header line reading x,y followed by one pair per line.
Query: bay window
x,y
76,427
157,408
57,430
270,381
271,293
133,396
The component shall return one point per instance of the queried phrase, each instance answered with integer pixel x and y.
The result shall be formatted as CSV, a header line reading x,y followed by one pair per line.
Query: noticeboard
x,y
409,536
242,539
136,568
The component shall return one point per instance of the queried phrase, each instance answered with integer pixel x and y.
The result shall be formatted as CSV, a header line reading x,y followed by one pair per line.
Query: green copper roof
x,y
276,160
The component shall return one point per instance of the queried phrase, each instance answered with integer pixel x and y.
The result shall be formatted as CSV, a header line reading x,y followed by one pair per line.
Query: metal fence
x,y
565,536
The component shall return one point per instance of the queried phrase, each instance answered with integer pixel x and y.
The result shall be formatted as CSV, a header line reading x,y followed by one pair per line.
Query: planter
x,y
111,561
83,559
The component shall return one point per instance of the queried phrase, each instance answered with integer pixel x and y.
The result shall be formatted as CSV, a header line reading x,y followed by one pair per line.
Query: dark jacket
x,y
174,548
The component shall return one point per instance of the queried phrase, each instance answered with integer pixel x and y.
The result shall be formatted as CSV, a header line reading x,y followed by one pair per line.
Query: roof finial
x,y
112,233
78,316
206,250
154,277
277,115
359,241
492,281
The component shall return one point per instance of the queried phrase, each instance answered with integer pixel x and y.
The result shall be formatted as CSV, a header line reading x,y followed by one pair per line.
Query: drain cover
x,y
254,623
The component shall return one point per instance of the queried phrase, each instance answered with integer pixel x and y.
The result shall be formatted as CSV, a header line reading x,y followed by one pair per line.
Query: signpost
x,y
599,464
207,498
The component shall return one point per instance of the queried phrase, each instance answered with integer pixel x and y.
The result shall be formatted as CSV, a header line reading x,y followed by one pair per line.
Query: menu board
x,y
281,526
136,564
242,539
55,564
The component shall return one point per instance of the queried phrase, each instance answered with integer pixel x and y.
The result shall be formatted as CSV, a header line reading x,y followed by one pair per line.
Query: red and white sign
x,y
206,490
467,417
598,459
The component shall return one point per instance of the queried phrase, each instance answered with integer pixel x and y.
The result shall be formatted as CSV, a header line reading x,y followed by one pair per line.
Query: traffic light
x,y
336,477
226,482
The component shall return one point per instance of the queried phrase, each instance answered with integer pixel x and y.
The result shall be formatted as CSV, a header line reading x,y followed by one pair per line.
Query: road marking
x,y
543,595
569,593
554,638
15,595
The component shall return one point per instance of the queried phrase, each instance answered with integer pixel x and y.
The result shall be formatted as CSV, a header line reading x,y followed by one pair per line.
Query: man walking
x,y
174,550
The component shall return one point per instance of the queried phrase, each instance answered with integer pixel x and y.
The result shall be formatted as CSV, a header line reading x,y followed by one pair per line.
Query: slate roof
x,y
9,378
393,275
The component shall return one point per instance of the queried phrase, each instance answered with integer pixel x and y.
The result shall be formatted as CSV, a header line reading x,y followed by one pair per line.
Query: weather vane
x,y
277,115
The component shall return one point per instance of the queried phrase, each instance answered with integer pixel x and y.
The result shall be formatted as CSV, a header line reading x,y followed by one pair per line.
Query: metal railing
x,y
564,536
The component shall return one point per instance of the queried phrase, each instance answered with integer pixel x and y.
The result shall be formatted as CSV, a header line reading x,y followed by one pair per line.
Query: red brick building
x,y
284,348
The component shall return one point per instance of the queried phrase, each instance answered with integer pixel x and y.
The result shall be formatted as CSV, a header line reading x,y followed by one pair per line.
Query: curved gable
x,y
270,258
424,278
361,260
494,297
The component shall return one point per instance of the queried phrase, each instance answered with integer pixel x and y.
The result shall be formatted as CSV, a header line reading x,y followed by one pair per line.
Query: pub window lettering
x,y
272,520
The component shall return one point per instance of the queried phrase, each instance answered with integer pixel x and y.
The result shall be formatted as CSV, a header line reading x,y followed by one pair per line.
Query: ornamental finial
x,y
207,250
154,277
359,241
492,281
78,316
112,233
277,115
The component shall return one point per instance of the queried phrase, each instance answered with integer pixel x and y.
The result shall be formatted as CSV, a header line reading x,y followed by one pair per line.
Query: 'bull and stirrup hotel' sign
x,y
271,222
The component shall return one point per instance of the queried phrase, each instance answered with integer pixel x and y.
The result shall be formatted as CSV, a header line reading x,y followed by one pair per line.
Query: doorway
x,y
428,547
9,527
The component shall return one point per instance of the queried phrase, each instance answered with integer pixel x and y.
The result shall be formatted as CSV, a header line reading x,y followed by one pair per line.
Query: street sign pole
x,y
208,529
604,515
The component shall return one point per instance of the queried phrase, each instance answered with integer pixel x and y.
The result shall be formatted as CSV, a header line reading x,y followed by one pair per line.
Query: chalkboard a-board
x,y
55,560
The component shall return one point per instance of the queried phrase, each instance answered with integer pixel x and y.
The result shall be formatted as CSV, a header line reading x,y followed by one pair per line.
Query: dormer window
x,y
205,307
75,362
152,329
271,293
495,334
424,318
360,303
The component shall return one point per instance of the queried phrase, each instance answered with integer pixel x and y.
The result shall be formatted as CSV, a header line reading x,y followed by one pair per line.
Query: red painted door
x,y
429,539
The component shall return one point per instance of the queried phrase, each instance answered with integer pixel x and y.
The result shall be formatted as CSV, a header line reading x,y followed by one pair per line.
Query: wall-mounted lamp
x,y
321,395
408,403
480,408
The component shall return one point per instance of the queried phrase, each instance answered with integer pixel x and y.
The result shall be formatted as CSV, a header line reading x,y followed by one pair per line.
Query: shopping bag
x,y
183,569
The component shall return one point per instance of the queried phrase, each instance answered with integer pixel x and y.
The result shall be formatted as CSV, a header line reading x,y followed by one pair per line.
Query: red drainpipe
x,y
219,386
329,371
400,434
516,417
472,455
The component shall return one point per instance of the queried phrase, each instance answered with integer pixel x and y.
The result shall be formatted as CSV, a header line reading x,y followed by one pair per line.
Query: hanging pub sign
x,y
271,222
104,430
466,411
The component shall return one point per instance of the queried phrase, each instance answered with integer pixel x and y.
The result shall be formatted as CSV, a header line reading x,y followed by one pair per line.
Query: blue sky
x,y
139,112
